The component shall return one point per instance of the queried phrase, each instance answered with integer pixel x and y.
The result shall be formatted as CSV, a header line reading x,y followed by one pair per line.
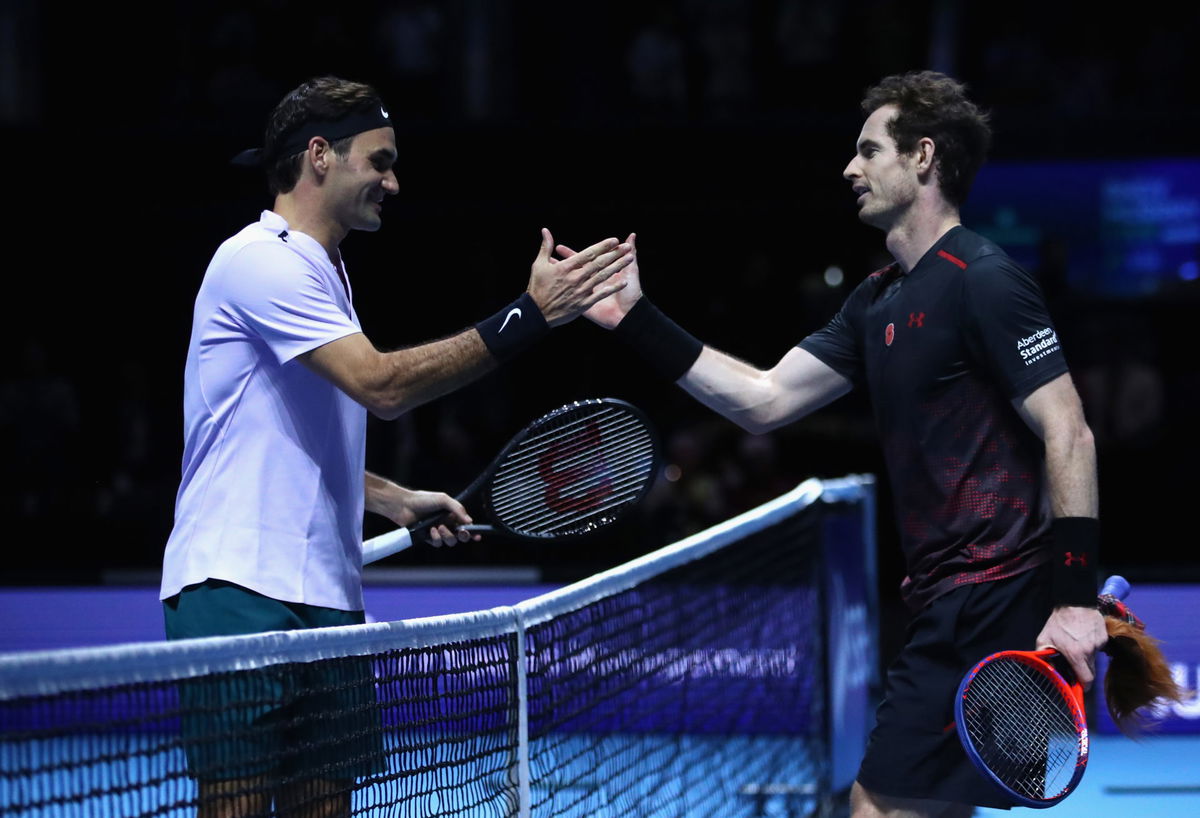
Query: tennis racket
x,y
1021,720
571,472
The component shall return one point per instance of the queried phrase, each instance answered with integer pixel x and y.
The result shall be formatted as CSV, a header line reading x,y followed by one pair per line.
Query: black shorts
x,y
914,750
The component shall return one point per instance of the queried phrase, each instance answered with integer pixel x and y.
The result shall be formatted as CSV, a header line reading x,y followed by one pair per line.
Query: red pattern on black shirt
x,y
966,471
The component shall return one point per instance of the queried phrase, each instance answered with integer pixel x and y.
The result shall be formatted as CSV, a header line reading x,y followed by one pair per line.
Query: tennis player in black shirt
x,y
992,464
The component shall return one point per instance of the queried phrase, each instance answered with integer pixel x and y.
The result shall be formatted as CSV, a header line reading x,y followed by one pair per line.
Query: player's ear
x,y
926,150
319,156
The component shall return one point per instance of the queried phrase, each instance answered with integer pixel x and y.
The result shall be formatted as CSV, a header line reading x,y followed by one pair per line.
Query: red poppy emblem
x,y
889,334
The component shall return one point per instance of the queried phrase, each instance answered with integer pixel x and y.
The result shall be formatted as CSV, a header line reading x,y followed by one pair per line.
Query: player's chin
x,y
872,217
369,222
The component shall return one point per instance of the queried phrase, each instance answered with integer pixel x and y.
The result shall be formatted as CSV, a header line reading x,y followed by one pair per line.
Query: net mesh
x,y
691,682
397,727
674,696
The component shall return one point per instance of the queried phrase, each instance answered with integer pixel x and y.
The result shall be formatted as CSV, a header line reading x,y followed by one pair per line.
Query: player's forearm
x,y
742,393
380,493
1074,501
406,378
721,382
1071,471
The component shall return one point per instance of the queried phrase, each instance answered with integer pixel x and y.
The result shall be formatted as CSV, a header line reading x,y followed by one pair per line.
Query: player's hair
x,y
325,98
934,105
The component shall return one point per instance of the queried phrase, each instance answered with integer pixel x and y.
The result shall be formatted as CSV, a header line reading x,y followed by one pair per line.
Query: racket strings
x,y
579,436
581,504
568,478
575,419
583,522
582,494
559,466
555,522
569,446
605,464
1022,727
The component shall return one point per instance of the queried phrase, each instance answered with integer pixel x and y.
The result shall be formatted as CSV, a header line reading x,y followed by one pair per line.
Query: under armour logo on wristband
x,y
514,311
1072,560
916,319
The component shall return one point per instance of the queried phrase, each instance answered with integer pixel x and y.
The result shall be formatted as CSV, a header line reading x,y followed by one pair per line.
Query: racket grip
x,y
1117,586
385,545
419,529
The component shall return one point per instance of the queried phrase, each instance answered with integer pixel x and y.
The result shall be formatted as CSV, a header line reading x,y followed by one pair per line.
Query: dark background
x,y
716,130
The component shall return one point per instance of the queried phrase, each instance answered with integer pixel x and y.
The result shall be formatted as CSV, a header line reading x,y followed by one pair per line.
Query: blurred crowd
x,y
90,451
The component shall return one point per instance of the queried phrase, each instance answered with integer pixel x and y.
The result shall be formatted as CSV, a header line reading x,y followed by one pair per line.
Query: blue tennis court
x,y
1154,776
701,679
722,675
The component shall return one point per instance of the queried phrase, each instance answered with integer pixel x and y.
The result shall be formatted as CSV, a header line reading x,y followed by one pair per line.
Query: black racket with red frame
x,y
571,472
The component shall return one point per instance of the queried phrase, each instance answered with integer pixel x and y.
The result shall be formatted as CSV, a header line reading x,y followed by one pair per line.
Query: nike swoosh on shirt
x,y
514,311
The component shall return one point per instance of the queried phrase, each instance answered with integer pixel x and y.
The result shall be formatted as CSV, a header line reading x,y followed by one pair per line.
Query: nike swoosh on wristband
x,y
514,311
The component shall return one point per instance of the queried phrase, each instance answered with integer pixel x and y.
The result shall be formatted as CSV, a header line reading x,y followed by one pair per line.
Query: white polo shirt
x,y
273,463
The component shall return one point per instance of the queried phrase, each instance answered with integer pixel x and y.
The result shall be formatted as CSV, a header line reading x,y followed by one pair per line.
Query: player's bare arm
x,y
755,399
1055,413
391,383
761,400
404,506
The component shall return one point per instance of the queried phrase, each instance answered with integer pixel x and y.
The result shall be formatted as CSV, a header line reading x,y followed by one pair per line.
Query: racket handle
x,y
419,529
385,545
396,541
1117,586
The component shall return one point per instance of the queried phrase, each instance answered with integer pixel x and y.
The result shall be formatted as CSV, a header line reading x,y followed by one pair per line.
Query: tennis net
x,y
702,679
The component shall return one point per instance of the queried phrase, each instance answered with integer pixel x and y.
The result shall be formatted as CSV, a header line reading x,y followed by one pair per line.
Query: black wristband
x,y
1074,553
667,347
514,329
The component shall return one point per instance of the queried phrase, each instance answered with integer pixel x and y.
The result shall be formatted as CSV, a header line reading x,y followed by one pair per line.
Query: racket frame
x,y
1069,689
479,487
476,492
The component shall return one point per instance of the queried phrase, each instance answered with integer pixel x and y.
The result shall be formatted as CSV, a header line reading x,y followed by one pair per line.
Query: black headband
x,y
351,124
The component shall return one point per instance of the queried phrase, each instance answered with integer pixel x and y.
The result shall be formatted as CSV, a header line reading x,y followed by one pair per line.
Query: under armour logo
x,y
916,319
1072,560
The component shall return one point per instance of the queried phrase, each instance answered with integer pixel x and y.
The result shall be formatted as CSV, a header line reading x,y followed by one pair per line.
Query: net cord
x,y
49,672
39,673
546,607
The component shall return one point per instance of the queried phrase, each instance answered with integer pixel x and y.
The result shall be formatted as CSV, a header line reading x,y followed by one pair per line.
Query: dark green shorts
x,y
285,722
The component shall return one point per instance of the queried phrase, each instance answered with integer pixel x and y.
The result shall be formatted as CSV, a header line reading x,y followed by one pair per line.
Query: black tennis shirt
x,y
944,350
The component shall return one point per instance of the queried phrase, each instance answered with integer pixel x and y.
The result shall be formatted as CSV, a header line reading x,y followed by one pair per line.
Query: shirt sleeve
x,y
1008,327
278,297
838,344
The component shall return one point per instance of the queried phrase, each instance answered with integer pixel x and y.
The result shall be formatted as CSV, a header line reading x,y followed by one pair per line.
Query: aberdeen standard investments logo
x,y
1037,346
